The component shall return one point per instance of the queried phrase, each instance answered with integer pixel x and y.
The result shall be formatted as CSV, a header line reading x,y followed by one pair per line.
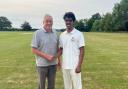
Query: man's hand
x,y
50,57
42,54
78,69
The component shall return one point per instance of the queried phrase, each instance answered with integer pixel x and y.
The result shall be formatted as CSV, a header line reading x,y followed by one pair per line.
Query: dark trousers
x,y
48,73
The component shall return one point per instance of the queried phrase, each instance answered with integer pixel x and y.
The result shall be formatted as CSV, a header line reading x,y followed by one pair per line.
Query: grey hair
x,y
47,15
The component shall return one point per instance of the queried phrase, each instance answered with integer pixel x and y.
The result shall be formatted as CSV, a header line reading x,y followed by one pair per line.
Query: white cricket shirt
x,y
71,42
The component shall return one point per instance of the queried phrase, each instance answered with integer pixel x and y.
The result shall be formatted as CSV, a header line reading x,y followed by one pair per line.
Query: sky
x,y
18,11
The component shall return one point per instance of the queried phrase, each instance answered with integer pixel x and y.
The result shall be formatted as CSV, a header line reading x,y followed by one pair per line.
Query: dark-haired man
x,y
72,50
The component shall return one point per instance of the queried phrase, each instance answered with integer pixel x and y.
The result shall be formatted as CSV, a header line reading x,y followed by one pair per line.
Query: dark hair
x,y
69,15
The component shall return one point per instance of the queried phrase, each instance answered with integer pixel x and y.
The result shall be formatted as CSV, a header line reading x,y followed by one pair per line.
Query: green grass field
x,y
105,64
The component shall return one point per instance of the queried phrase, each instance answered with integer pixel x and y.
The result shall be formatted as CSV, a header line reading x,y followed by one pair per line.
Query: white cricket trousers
x,y
72,80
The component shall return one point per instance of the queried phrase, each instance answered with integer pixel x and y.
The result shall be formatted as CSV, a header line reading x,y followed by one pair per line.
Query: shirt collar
x,y
73,31
46,31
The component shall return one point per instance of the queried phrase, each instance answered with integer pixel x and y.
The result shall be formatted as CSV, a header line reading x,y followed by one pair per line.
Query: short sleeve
x,y
81,40
35,40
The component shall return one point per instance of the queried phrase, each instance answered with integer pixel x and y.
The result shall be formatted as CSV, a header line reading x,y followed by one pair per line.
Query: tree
x,y
90,22
106,23
26,26
124,8
117,17
96,26
96,16
80,25
120,15
4,23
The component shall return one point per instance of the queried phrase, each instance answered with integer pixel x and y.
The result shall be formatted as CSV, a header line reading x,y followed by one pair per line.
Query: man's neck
x,y
47,30
69,30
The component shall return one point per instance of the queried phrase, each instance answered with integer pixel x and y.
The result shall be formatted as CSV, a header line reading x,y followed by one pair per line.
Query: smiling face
x,y
48,22
69,19
69,23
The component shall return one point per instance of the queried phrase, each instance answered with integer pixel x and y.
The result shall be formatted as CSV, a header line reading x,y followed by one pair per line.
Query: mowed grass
x,y
105,64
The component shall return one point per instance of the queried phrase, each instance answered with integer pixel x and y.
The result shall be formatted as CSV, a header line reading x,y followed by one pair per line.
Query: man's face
x,y
69,23
48,22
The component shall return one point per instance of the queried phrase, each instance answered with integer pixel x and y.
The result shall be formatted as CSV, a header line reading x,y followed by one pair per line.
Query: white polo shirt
x,y
71,42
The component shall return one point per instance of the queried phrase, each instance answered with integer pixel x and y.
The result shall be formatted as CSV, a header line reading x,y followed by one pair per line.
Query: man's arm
x,y
59,53
41,54
81,56
59,57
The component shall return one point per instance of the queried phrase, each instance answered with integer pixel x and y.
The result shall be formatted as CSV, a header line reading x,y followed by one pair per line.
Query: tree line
x,y
117,20
6,25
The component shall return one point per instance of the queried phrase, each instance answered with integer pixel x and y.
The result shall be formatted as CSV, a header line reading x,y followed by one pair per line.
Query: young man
x,y
72,50
44,46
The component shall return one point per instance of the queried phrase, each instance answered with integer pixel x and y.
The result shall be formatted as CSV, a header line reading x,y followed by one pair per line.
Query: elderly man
x,y
44,46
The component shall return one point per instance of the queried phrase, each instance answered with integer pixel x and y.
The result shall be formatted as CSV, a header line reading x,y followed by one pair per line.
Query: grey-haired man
x,y
44,46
